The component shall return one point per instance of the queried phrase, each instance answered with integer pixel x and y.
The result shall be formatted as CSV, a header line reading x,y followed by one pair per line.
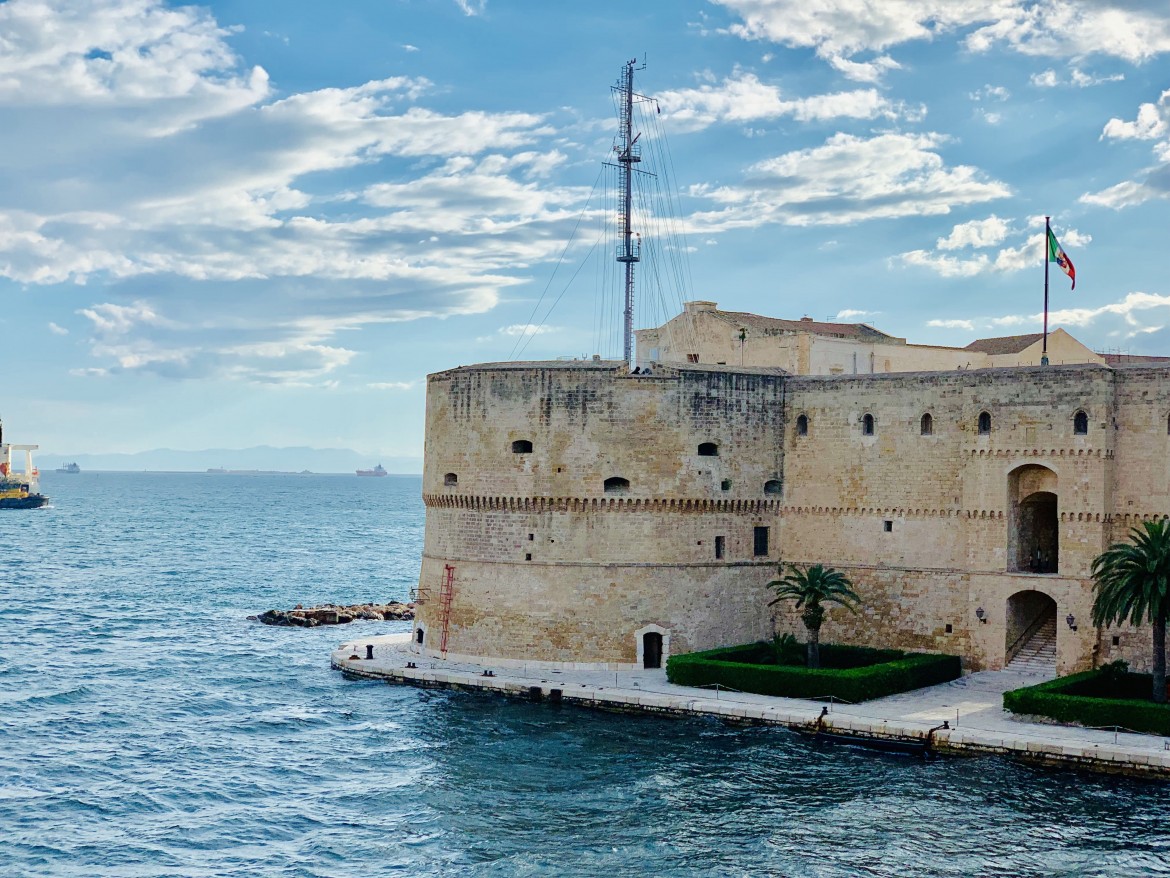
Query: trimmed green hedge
x,y
859,674
1057,699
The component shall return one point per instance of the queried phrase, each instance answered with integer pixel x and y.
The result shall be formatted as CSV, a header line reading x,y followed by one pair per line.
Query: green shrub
x,y
1104,697
787,650
851,673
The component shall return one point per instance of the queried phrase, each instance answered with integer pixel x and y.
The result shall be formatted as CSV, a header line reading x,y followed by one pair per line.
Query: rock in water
x,y
332,614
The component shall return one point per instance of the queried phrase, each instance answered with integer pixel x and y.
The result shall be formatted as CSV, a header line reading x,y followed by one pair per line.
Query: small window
x,y
802,425
522,446
1080,424
950,628
692,358
984,423
773,486
527,556
616,485
760,541
719,548
1116,640
531,537
725,485
1168,425
926,425
867,425
708,449
888,526
450,480
419,634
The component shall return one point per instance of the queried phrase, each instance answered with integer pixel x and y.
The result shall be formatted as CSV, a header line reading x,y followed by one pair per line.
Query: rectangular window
x,y
718,548
889,526
692,358
760,542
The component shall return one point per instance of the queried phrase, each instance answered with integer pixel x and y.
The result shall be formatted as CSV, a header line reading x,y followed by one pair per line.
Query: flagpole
x,y
1047,233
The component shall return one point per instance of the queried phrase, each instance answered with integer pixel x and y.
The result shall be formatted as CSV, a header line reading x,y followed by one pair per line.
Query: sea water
x,y
148,728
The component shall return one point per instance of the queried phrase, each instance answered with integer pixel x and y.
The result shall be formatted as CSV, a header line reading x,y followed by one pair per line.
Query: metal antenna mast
x,y
628,154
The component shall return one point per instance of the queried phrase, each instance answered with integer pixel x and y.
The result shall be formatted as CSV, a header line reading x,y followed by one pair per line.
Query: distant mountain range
x,y
262,457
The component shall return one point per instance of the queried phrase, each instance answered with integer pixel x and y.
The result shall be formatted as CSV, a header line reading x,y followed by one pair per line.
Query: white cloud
x,y
983,234
967,325
1077,78
849,179
744,98
990,92
1084,80
1127,194
472,7
946,266
838,32
111,319
391,385
1137,314
526,329
57,330
864,71
1152,122
847,314
976,233
172,165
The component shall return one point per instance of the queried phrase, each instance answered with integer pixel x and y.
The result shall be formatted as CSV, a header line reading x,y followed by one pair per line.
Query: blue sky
x,y
263,222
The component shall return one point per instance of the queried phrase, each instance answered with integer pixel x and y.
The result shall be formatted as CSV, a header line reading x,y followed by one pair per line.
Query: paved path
x,y
972,706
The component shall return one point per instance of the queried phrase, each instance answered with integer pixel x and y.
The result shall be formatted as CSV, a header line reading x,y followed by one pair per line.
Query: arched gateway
x,y
1033,520
1030,641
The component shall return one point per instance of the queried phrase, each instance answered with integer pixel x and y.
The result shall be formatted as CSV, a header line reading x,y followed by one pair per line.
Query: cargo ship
x,y
70,468
18,490
376,471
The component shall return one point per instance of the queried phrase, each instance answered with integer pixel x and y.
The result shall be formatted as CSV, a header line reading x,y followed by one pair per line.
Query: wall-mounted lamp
x,y
981,615
1072,621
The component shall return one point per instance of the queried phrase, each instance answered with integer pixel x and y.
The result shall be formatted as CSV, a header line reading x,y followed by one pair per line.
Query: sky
x,y
264,223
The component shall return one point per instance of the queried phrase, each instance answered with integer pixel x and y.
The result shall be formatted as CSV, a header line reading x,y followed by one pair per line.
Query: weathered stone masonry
x,y
583,507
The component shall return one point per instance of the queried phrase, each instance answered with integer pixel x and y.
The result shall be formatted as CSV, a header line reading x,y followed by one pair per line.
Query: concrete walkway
x,y
972,706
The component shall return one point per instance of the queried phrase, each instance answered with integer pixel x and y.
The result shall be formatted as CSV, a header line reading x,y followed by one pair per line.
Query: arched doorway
x,y
1030,639
652,650
1033,521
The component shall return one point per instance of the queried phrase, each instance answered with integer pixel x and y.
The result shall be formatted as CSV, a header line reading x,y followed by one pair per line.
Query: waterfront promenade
x,y
971,706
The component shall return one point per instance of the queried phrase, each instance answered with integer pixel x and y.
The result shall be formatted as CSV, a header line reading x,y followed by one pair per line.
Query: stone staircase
x,y
1038,655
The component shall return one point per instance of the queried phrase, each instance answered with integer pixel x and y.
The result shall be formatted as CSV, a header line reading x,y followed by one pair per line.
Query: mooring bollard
x,y
369,650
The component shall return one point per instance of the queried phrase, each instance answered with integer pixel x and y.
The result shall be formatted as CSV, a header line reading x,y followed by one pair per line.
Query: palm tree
x,y
1132,582
811,588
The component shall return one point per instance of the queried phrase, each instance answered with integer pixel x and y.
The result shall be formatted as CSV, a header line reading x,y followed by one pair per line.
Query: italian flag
x,y
1056,254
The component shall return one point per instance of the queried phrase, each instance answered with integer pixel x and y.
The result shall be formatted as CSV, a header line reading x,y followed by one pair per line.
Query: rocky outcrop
x,y
332,614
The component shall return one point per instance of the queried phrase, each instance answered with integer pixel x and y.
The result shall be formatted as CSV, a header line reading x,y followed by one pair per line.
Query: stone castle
x,y
589,514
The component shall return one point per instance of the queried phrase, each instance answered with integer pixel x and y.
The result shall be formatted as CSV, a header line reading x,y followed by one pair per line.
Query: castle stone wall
x,y
551,566
932,526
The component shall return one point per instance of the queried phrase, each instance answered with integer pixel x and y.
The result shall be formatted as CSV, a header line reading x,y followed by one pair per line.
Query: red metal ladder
x,y
446,591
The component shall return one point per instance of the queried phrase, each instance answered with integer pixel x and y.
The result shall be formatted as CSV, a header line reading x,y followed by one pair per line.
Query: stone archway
x,y
653,646
1033,520
1030,635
